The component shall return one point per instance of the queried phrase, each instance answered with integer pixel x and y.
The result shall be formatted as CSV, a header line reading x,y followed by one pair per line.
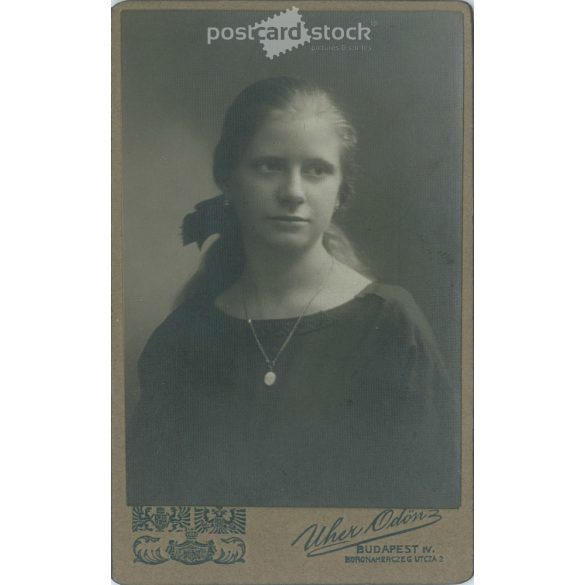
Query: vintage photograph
x,y
292,200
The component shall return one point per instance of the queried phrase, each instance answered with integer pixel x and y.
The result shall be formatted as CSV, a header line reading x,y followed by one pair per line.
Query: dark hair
x,y
223,262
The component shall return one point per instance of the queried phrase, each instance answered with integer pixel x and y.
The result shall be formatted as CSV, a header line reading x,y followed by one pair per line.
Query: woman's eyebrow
x,y
327,165
266,158
320,161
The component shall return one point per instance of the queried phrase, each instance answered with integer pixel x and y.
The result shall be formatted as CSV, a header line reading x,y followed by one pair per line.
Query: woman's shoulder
x,y
391,296
389,292
183,321
399,308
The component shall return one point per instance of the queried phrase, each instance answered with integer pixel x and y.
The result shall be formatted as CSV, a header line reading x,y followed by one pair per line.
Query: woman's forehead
x,y
301,133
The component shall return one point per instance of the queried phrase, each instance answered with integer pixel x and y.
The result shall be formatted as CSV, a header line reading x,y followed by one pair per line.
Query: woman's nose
x,y
293,190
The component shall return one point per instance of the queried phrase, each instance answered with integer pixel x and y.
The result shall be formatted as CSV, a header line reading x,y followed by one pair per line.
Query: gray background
x,y
405,97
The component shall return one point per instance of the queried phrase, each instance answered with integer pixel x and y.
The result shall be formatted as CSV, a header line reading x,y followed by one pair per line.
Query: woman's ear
x,y
343,195
341,198
227,192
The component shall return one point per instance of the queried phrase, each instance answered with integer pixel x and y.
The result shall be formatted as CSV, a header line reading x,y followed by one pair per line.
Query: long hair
x,y
223,262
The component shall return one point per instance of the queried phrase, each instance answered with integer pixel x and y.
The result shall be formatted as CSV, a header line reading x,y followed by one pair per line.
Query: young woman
x,y
288,376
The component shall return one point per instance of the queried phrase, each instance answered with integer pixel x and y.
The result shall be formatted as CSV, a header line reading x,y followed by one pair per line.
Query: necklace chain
x,y
270,377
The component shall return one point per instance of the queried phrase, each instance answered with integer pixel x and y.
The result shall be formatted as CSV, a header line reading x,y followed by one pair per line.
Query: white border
x,y
528,272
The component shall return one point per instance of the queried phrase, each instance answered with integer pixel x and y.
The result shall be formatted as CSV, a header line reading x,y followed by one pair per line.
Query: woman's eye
x,y
268,166
317,170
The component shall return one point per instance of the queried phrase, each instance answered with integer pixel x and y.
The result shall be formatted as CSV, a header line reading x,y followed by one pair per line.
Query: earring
x,y
226,203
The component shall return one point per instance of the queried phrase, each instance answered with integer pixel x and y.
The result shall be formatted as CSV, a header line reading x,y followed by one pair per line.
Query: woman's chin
x,y
286,241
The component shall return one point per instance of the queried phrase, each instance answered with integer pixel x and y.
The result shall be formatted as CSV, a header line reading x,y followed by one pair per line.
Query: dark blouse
x,y
361,414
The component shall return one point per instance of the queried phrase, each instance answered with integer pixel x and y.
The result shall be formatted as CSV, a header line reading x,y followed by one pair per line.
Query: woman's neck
x,y
274,285
279,287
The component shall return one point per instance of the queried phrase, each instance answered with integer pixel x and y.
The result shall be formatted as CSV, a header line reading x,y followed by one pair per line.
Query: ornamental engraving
x,y
183,534
220,520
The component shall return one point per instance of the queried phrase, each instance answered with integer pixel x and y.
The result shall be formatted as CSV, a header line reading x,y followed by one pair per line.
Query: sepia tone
x,y
411,220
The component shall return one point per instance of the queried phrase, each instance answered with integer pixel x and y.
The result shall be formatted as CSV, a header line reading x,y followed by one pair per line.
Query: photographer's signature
x,y
321,539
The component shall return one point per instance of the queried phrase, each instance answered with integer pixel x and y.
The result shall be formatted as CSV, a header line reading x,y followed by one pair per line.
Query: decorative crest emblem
x,y
191,552
160,519
220,520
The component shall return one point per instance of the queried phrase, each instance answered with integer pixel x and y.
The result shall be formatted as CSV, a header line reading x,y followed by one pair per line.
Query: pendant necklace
x,y
270,376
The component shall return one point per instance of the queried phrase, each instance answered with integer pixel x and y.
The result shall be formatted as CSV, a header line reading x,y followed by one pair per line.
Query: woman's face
x,y
286,187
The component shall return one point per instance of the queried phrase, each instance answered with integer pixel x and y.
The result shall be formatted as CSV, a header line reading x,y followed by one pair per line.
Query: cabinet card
x,y
292,299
